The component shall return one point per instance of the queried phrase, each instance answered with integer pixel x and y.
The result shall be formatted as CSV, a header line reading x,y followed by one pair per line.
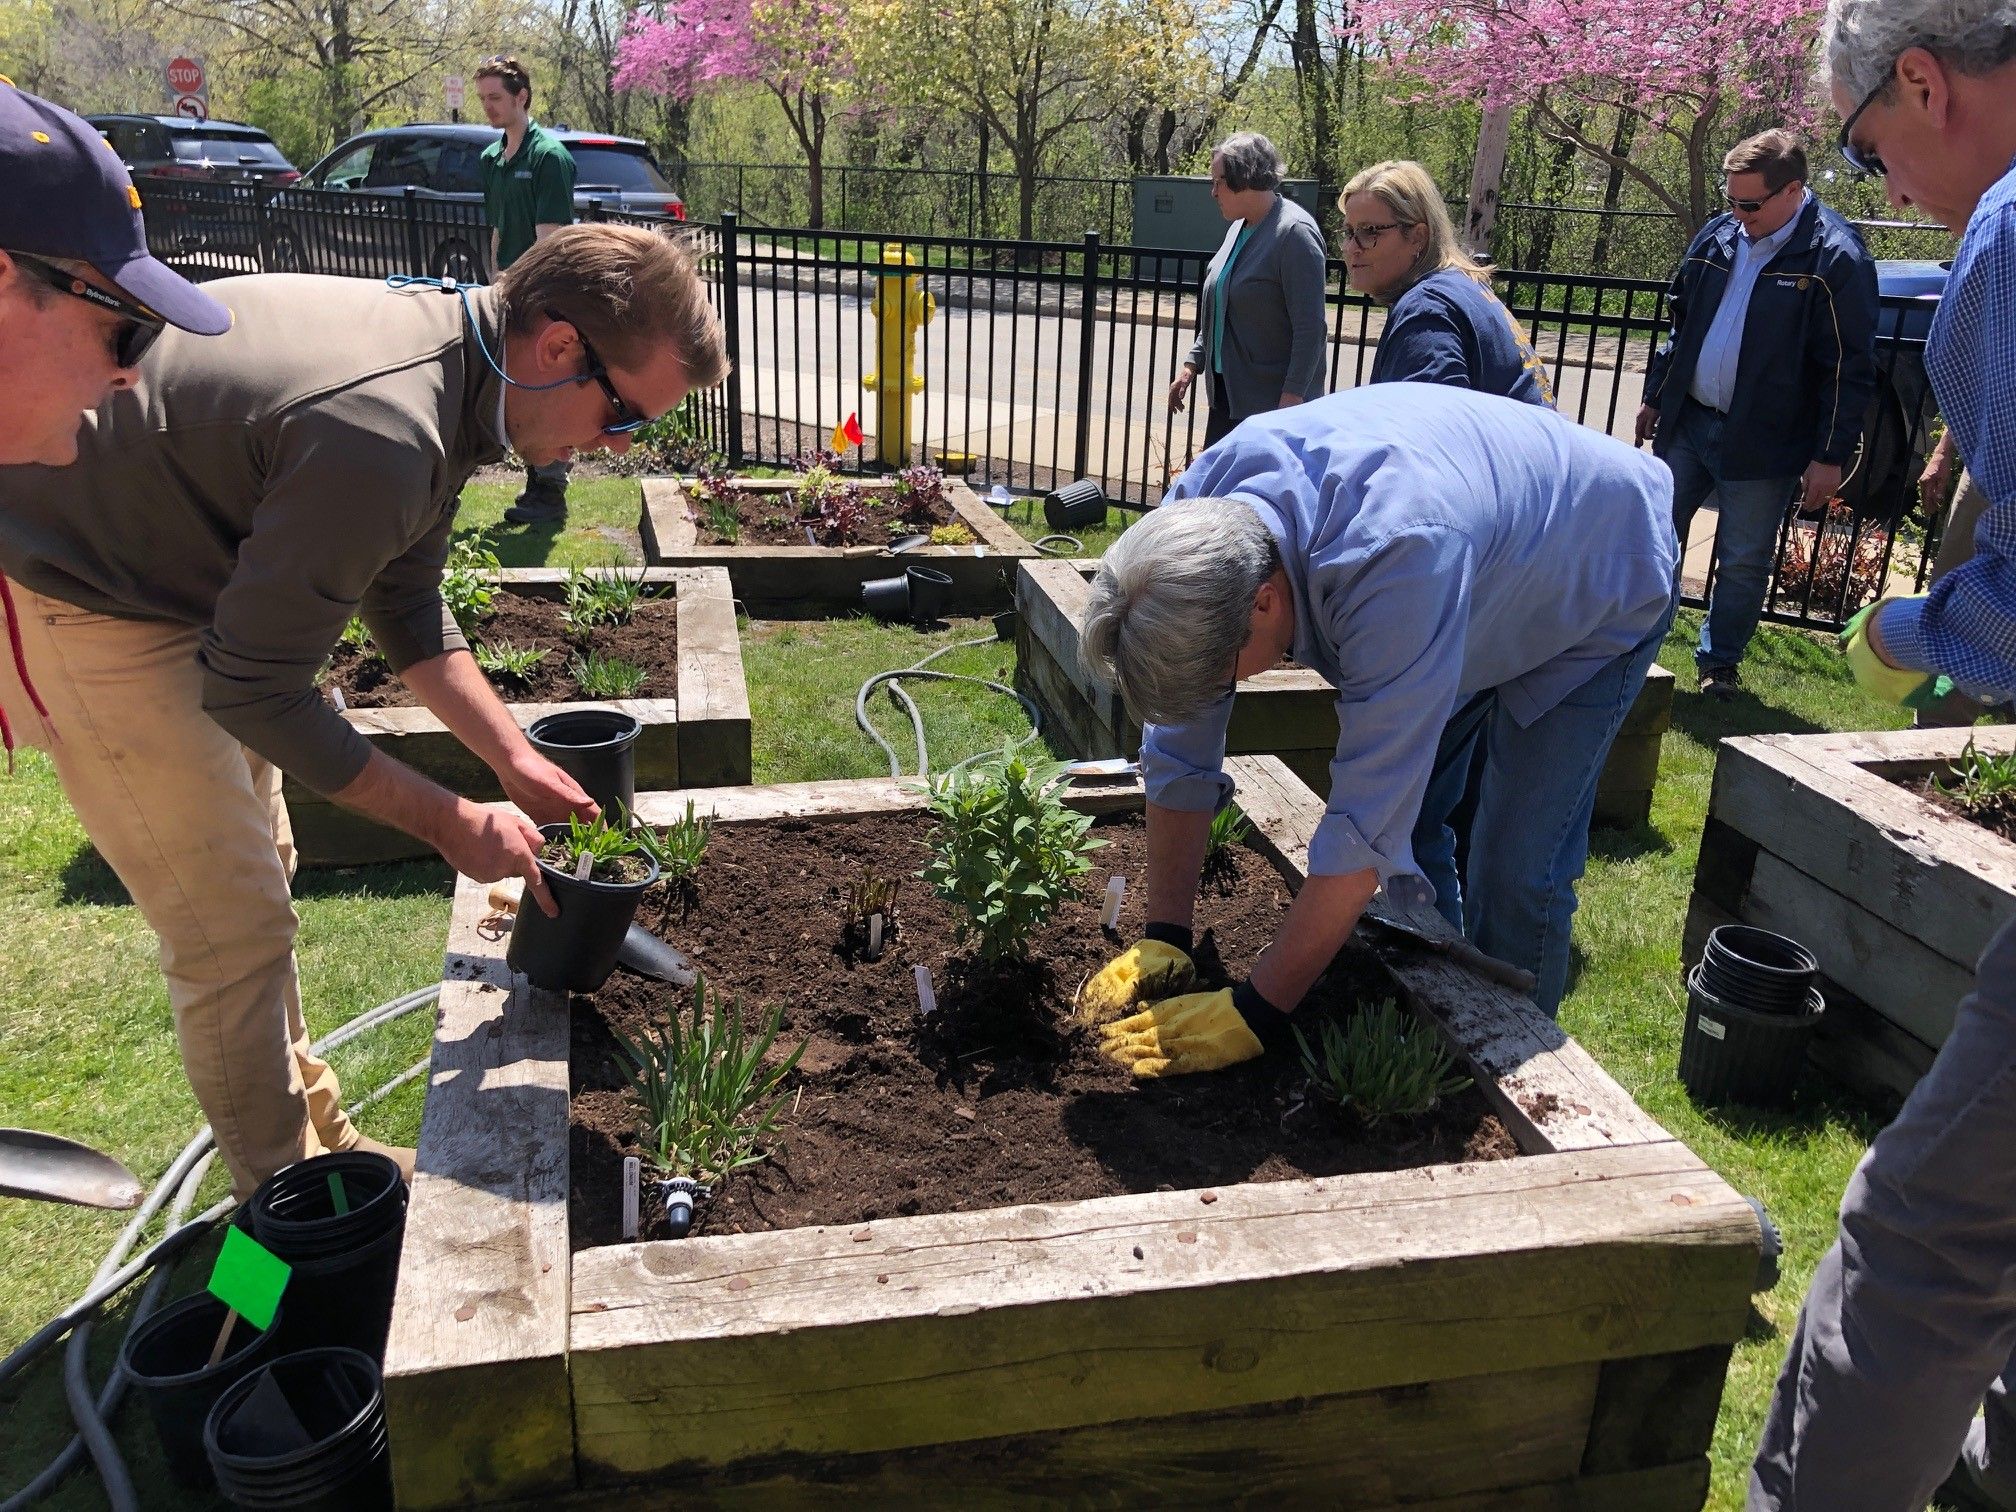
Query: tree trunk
x,y
1312,88
1552,185
1613,187
1487,172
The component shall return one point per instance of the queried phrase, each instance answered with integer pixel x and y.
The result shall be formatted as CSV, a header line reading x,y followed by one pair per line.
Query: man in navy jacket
x,y
1762,383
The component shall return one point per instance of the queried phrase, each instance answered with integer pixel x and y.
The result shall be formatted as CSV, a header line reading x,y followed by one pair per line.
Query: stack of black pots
x,y
1752,1009
292,1416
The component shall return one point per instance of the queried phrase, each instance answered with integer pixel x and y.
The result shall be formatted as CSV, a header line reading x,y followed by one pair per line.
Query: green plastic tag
x,y
249,1278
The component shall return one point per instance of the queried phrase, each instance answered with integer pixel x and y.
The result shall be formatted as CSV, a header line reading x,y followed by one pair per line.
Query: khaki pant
x,y
194,825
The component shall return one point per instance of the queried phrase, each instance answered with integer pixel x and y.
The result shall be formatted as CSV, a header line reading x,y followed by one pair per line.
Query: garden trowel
x,y
49,1168
642,951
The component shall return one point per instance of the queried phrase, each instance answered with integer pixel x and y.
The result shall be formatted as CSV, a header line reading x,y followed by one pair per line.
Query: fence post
x,y
842,226
1088,293
595,210
416,258
731,330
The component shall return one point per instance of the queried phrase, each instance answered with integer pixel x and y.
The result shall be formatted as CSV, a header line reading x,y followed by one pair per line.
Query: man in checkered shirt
x,y
1911,1318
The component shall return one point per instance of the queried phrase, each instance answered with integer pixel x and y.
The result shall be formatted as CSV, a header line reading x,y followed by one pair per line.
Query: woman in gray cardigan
x,y
1260,328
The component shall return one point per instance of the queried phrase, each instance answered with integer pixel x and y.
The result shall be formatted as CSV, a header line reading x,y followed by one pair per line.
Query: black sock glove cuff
x,y
1175,935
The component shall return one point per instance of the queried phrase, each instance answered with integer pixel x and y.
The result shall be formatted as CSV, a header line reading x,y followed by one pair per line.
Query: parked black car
x,y
221,152
418,199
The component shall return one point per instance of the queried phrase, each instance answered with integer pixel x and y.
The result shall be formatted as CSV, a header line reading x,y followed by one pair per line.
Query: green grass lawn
x,y
86,1047
601,529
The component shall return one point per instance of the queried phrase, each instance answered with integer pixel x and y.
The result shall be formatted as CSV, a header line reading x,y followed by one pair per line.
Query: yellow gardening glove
x,y
1896,685
1200,1032
1147,971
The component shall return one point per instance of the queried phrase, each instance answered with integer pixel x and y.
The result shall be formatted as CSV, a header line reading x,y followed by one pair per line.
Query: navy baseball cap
x,y
68,196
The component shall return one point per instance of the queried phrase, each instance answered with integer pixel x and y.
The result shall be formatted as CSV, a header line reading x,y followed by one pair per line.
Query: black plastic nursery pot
x,y
1757,969
575,950
1075,505
338,1220
596,747
930,590
307,1433
887,598
167,1360
1729,1053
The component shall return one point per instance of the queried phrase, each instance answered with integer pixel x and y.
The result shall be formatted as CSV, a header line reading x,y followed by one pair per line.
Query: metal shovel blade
x,y
49,1168
647,955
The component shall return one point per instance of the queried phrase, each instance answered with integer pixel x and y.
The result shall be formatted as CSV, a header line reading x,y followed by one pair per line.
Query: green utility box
x,y
1176,212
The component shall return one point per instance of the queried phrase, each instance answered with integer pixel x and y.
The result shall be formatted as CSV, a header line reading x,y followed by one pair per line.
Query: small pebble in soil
x,y
881,1280
1137,1252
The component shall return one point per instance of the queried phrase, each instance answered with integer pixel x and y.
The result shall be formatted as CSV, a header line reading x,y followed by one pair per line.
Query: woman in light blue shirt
x,y
1260,328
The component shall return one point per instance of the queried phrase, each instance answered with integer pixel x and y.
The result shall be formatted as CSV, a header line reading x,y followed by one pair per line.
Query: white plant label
x,y
874,935
810,539
979,549
336,699
927,998
631,1174
1712,1028
584,866
1116,889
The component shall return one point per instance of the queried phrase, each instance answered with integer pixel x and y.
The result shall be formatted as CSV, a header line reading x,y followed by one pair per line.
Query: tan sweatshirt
x,y
267,484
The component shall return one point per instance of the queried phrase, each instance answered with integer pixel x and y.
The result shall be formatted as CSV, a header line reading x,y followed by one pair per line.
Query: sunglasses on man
x,y
1862,159
137,331
627,419
1752,206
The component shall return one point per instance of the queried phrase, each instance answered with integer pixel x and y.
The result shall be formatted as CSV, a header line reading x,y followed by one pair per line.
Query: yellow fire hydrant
x,y
901,306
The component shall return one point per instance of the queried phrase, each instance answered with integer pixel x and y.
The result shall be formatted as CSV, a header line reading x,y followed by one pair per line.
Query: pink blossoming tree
x,y
1700,73
796,49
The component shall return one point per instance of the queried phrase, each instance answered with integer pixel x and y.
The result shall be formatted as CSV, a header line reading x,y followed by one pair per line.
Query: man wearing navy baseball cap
x,y
80,299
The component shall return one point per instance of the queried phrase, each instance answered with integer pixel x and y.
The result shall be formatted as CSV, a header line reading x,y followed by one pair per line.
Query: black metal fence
x,y
1047,361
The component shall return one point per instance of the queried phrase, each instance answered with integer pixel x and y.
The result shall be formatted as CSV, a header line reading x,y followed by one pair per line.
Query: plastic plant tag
x,y
875,936
336,699
810,539
249,1278
631,1172
339,1199
927,998
979,548
1116,889
583,866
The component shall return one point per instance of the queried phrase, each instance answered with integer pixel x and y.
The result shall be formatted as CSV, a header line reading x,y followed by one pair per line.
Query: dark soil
x,y
561,856
1998,817
772,517
650,639
997,1098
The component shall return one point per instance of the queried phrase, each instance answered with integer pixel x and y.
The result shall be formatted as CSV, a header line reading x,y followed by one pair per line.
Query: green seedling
x,y
724,520
469,580
1229,830
604,839
679,848
513,663
601,676
1005,850
602,598
708,1104
1983,782
358,639
1381,1064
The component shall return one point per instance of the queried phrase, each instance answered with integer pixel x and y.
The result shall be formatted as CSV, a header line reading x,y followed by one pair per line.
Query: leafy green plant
x,y
358,639
1229,830
815,484
1984,782
603,598
724,520
842,515
951,535
608,839
709,1105
1005,849
601,676
679,848
1381,1064
469,580
872,893
502,659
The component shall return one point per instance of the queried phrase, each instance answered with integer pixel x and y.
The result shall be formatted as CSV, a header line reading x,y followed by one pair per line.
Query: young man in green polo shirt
x,y
528,194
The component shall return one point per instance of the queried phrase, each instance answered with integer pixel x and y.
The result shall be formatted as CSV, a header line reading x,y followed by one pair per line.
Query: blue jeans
x,y
1528,837
1748,512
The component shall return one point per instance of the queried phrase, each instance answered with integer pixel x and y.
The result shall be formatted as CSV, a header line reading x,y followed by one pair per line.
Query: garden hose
x,y
176,1191
909,706
1043,545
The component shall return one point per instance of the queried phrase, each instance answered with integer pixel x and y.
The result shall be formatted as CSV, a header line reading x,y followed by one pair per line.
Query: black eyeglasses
x,y
1367,237
1862,159
1751,207
139,329
627,419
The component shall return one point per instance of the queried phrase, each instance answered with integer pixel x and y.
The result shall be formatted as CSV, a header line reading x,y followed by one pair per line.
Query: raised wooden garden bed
x,y
1289,712
1819,838
813,581
1543,1331
696,728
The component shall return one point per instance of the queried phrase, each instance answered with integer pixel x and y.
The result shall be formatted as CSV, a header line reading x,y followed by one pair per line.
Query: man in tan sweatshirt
x,y
180,585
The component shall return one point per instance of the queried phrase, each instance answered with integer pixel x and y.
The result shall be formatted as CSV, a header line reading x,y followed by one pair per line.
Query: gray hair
x,y
1863,39
1172,606
1251,161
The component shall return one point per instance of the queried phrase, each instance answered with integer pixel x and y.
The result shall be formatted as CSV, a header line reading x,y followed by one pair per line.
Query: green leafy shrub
x,y
608,839
679,848
1983,782
1005,849
951,535
469,580
358,639
708,1103
1381,1064
513,663
601,676
603,598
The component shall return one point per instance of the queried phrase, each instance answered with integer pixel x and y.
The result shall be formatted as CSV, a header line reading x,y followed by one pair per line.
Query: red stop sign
x,y
185,75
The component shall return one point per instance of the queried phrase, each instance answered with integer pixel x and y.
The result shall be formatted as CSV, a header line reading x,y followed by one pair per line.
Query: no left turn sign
x,y
194,107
